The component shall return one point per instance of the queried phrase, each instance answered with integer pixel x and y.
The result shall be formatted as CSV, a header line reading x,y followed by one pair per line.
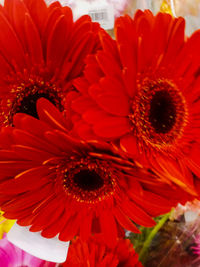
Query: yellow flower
x,y
165,7
5,225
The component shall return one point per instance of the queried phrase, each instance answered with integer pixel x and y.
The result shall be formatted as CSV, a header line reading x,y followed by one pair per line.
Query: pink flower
x,y
11,256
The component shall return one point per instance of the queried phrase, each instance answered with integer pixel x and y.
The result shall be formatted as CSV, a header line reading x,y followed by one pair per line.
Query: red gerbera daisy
x,y
142,92
95,253
62,185
41,51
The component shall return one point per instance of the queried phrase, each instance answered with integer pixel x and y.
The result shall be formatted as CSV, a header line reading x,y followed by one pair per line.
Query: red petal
x,y
26,200
113,104
92,72
26,181
55,228
176,41
79,52
44,216
105,61
124,221
151,203
8,155
82,103
171,169
30,153
11,48
33,40
129,143
30,124
136,214
110,96
93,115
86,225
24,138
112,127
71,228
32,196
108,226
55,48
38,11
49,114
17,13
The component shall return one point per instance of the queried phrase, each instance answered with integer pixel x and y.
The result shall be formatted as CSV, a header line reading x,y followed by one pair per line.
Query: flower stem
x,y
150,237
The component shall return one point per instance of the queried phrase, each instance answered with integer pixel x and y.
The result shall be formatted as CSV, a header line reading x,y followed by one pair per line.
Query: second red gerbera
x,y
142,92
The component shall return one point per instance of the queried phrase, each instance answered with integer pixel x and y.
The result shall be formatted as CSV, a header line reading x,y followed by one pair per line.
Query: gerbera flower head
x,y
60,185
148,101
11,255
41,51
96,253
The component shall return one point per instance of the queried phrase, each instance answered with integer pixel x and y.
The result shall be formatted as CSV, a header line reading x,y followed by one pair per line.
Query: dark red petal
x,y
108,226
24,138
55,228
171,169
105,61
79,52
86,225
55,48
124,221
26,181
30,153
112,127
44,216
82,103
30,124
17,13
38,12
94,114
32,196
114,104
151,203
71,228
33,40
176,40
129,143
136,214
11,48
49,114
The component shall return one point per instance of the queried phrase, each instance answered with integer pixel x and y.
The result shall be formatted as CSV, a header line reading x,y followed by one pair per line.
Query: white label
x,y
101,11
104,15
49,249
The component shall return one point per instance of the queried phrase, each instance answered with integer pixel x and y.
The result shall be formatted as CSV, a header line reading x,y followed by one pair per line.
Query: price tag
x,y
102,13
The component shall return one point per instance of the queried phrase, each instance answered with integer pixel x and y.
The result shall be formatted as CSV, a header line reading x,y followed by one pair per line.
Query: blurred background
x,y
189,9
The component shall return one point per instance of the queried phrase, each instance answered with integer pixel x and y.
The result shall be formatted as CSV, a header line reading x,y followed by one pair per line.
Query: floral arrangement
x,y
98,135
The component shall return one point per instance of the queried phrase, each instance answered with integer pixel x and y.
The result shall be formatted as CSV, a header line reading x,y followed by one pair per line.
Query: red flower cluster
x,y
97,135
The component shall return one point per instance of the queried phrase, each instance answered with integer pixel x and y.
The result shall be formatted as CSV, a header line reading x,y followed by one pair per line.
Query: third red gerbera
x,y
142,92
95,253
60,185
41,51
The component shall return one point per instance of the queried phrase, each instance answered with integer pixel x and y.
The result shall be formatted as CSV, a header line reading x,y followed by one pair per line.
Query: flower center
x,y
23,98
159,112
88,180
162,113
28,103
